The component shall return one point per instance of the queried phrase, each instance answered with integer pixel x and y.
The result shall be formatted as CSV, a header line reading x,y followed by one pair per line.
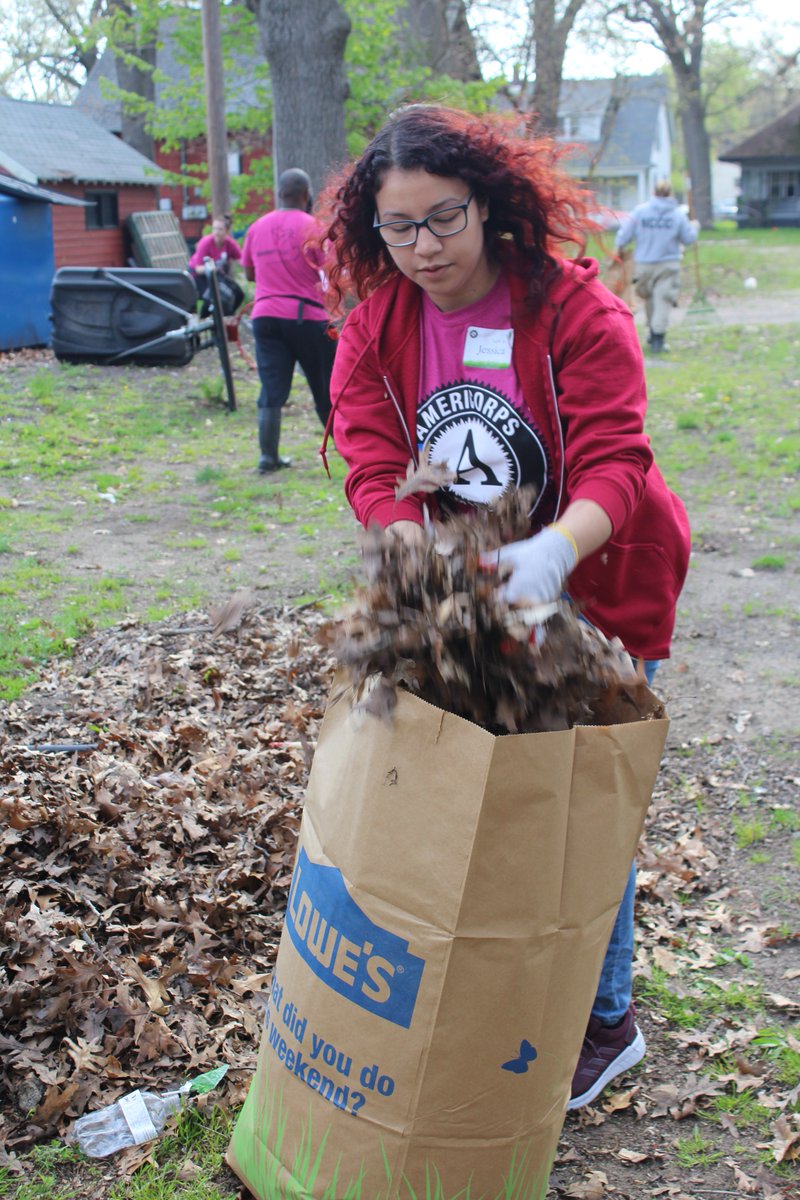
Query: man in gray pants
x,y
660,230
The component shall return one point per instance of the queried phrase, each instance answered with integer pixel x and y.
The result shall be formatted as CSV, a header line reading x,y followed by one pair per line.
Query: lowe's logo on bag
x,y
358,959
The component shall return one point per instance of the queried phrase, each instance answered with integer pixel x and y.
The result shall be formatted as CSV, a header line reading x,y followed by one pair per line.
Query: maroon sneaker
x,y
606,1053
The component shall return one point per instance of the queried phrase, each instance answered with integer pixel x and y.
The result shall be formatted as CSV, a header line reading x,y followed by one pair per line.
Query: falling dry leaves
x,y
430,619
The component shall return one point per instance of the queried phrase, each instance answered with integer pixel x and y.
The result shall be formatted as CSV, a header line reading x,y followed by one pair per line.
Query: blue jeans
x,y
616,978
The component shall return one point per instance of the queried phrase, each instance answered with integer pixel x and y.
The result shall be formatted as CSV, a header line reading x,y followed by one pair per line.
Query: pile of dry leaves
x,y
430,618
144,876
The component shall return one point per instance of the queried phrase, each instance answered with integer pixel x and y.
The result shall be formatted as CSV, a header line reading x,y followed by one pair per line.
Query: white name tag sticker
x,y
488,347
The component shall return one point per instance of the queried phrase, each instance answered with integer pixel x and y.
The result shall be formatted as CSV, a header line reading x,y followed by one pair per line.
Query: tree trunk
x,y
136,76
438,35
696,142
304,42
550,41
679,26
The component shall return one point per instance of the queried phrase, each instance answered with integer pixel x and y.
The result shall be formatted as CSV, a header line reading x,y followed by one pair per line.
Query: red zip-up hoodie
x,y
580,369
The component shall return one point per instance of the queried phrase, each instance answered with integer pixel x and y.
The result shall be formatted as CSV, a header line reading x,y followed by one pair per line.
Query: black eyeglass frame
x,y
424,224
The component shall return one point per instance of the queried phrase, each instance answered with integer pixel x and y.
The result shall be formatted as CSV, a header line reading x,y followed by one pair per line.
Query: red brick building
x,y
61,148
244,86
187,200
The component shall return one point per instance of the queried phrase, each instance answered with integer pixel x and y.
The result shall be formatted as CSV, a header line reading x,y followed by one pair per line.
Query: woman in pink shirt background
x,y
225,251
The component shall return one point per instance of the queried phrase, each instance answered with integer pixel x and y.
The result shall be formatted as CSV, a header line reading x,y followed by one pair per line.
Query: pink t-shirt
x,y
285,271
208,248
470,409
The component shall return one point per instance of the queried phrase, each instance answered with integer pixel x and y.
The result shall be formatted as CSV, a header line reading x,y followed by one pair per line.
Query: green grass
x,y
701,997
188,1166
713,434
82,447
769,562
74,438
692,1000
749,832
696,1151
27,640
728,256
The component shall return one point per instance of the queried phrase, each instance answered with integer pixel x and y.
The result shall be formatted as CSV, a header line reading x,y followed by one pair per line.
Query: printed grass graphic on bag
x,y
450,909
265,1170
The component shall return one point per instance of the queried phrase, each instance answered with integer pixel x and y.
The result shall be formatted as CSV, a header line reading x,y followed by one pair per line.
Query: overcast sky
x,y
770,15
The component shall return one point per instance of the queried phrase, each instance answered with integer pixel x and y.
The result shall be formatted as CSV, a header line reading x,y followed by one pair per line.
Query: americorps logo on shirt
x,y
484,439
363,962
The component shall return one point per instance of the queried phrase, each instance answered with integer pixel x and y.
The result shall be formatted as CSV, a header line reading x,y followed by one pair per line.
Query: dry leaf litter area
x,y
145,878
143,881
694,928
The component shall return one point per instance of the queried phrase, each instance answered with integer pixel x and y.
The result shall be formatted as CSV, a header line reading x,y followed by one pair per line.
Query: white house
x,y
623,132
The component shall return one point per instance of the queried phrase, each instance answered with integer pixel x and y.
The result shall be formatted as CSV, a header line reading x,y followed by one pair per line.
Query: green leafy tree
x,y
384,72
747,86
380,68
154,67
172,109
48,47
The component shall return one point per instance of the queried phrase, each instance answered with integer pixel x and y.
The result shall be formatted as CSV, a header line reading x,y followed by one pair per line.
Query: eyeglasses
x,y
441,224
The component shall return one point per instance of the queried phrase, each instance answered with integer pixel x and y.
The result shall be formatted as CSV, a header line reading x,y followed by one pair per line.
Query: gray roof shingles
x,y
9,186
778,139
57,143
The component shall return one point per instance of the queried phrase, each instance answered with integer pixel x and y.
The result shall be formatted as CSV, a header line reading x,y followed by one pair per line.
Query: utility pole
x,y
216,133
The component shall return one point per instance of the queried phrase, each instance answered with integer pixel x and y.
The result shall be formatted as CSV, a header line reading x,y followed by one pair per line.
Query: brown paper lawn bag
x,y
452,900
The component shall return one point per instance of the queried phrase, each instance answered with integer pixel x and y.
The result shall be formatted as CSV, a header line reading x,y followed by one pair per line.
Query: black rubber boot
x,y
269,436
656,342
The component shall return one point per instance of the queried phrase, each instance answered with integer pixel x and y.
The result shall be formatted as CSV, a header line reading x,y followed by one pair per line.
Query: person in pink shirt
x,y
290,322
220,246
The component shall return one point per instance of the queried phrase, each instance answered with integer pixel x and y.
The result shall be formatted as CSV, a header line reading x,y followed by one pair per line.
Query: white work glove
x,y
539,566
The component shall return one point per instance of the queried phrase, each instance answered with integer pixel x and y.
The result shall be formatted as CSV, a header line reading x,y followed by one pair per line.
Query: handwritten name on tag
x,y
488,347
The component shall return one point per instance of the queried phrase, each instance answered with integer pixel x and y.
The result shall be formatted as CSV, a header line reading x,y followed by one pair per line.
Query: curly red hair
x,y
533,202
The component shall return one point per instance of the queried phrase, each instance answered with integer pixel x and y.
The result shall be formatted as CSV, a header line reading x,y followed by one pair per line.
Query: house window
x,y
103,212
614,192
582,126
783,185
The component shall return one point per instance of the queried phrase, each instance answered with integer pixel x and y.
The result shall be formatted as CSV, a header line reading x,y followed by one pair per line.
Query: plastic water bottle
x,y
136,1118
129,1121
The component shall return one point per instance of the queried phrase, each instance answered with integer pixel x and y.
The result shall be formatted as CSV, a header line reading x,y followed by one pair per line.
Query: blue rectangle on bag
x,y
361,961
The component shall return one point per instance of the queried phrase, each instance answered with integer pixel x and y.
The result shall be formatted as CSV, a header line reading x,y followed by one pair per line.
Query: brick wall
x,y
77,246
251,147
